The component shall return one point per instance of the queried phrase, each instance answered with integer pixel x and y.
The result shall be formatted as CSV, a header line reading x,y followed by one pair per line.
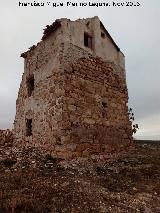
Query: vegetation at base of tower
x,y
135,127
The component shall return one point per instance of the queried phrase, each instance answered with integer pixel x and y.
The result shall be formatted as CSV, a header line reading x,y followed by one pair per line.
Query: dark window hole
x,y
87,40
102,35
28,127
104,104
30,85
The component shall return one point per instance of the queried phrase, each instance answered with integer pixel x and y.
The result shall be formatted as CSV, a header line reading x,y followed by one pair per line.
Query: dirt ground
x,y
46,184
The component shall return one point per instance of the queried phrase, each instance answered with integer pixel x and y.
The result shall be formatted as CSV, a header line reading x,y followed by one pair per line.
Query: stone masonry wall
x,y
42,62
95,112
102,46
78,105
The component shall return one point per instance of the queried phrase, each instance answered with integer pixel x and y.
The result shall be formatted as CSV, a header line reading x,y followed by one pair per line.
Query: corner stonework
x,y
77,105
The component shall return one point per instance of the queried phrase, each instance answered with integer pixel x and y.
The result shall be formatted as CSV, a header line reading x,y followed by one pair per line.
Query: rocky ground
x,y
32,182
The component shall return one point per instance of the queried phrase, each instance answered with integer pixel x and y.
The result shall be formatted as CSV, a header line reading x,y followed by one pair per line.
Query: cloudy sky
x,y
136,30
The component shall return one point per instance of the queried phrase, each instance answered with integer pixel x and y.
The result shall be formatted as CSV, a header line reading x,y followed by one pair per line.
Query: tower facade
x,y
73,96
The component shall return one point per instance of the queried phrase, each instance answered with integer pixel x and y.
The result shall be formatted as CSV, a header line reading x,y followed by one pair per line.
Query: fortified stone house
x,y
73,97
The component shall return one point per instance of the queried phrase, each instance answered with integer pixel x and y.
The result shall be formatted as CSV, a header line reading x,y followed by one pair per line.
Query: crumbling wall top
x,y
51,28
101,42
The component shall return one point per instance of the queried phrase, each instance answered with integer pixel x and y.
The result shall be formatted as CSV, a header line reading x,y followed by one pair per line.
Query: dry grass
x,y
129,184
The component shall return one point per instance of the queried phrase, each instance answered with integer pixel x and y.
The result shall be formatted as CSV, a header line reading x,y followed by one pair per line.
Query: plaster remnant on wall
x,y
73,97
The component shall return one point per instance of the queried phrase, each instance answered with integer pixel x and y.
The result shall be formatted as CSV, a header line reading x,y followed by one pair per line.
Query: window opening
x,y
30,85
29,127
102,35
87,40
104,104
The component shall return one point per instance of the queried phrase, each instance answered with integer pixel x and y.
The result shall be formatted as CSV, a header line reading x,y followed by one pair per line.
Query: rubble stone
x,y
6,137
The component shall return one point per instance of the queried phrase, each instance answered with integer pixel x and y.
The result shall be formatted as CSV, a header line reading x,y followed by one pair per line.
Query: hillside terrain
x,y
34,182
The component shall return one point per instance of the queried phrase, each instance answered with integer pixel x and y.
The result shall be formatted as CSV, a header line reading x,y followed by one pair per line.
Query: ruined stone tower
x,y
73,97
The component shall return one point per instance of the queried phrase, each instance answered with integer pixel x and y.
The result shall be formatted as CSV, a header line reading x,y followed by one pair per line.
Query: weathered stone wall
x,y
43,63
70,53
102,46
79,103
95,112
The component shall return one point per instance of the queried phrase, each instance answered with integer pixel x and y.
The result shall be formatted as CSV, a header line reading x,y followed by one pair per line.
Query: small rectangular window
x,y
104,109
30,85
87,40
28,127
104,104
102,35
